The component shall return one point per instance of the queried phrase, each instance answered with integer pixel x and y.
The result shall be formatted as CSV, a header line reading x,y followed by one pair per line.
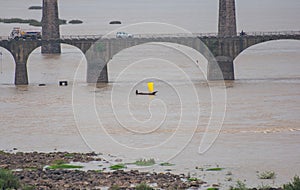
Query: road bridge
x,y
98,50
219,49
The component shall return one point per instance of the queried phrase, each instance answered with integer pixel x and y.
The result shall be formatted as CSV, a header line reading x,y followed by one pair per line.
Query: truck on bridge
x,y
18,33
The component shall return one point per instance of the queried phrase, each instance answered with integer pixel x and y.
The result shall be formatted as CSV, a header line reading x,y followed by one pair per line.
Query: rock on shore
x,y
30,169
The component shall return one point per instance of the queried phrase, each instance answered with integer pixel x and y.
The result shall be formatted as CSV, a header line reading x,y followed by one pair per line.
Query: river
x,y
246,126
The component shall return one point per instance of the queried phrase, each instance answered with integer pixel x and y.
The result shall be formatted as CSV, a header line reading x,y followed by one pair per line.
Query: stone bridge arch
x,y
250,43
102,51
22,49
266,45
226,49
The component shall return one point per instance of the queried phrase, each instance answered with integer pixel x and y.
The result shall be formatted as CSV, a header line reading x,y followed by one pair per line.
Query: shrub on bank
x,y
294,185
8,180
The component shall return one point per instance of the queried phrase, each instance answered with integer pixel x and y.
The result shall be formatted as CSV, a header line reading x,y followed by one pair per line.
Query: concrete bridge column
x,y
97,58
21,77
50,28
20,51
227,18
221,68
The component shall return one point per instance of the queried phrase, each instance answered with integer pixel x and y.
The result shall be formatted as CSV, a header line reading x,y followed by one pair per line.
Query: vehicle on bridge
x,y
123,35
18,33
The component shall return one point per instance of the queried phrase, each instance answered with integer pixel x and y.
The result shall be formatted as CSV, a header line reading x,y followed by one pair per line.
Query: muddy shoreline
x,y
32,170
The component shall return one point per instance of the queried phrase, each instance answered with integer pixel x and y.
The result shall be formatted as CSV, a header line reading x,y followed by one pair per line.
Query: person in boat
x,y
145,93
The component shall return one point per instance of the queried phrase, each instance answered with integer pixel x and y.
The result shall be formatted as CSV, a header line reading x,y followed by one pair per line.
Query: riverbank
x,y
64,170
37,171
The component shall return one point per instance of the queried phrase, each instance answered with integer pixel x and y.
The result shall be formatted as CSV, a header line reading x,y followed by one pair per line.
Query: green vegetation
x,y
267,175
193,179
143,186
239,186
8,180
31,22
75,22
294,185
2,152
166,164
264,187
61,164
69,155
144,162
28,187
35,7
214,169
64,166
212,188
58,162
117,166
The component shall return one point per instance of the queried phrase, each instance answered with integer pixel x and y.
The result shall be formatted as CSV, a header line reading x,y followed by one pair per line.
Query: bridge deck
x,y
166,35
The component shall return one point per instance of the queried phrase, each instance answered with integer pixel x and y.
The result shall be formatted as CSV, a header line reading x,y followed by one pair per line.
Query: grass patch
x,y
69,155
64,166
239,186
166,164
212,188
143,186
193,179
293,185
264,187
58,162
2,152
28,187
267,175
8,180
144,162
214,169
117,167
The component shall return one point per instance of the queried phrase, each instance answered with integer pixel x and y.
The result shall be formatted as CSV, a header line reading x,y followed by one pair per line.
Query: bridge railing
x,y
95,37
71,37
277,33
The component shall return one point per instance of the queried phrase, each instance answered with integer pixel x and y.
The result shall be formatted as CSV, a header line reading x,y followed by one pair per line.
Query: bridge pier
x,y
50,28
21,77
96,70
221,69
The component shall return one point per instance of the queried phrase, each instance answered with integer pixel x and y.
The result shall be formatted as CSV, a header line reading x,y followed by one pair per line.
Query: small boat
x,y
145,93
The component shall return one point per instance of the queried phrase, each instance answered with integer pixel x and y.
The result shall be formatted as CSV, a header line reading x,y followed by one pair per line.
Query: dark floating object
x,y
42,84
75,22
35,7
115,22
63,83
145,93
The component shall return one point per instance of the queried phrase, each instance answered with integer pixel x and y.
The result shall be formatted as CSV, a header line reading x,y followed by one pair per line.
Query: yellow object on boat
x,y
150,86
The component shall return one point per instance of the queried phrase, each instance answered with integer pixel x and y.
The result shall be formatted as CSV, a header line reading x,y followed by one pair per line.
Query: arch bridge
x,y
98,50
